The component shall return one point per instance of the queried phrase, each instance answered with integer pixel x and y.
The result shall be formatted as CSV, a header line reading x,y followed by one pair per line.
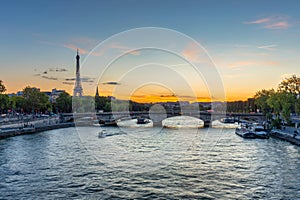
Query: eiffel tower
x,y
77,88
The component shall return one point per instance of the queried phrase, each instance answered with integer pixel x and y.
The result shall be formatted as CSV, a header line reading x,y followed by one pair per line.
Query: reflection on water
x,y
183,122
218,124
133,123
148,163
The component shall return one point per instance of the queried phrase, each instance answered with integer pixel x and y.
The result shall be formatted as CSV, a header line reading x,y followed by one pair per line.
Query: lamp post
x,y
297,116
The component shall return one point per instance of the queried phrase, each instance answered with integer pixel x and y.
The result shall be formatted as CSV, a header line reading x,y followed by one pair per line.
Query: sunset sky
x,y
250,44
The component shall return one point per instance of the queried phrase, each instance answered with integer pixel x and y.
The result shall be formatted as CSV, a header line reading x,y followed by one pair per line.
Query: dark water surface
x,y
147,163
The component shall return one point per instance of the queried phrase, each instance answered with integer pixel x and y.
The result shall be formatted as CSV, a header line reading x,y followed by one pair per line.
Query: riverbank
x,y
10,132
288,134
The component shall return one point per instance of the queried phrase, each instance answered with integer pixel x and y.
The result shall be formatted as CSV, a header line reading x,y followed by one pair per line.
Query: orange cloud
x,y
272,22
278,25
268,47
82,51
193,53
124,49
259,21
74,48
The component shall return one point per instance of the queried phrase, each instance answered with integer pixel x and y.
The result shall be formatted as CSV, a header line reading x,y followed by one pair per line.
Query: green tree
x,y
77,105
88,104
297,106
287,101
282,104
100,102
4,103
35,101
261,98
290,85
64,103
274,102
107,107
17,103
2,87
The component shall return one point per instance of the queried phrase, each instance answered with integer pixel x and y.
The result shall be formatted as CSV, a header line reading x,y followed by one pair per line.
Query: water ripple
x,y
172,164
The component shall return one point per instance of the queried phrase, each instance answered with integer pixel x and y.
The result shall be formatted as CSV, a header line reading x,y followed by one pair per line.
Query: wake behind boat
x,y
104,133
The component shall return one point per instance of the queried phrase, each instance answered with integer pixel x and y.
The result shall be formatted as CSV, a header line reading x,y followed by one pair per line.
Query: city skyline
x,y
252,44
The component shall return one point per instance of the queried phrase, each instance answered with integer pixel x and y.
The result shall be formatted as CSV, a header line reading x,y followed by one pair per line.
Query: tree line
x,y
278,105
33,101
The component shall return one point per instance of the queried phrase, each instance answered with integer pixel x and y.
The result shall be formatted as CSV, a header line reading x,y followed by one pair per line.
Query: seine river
x,y
147,163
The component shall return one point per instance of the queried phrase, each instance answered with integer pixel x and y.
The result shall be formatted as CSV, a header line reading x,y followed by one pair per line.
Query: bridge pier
x,y
207,123
157,124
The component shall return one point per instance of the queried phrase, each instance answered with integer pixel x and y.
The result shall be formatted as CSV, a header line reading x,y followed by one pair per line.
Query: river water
x,y
147,163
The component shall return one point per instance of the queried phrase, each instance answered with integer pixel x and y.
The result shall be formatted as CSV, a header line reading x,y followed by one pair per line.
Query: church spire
x,y
97,92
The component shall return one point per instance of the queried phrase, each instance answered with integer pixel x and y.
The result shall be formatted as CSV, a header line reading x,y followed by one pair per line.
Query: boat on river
x,y
253,131
245,132
108,122
260,132
142,120
104,133
228,120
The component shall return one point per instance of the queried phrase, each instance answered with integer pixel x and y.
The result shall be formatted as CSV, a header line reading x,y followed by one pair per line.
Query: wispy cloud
x,y
111,83
168,95
87,80
46,74
83,44
70,79
259,21
50,78
124,49
74,48
193,53
68,83
84,79
57,69
272,22
268,47
278,25
83,51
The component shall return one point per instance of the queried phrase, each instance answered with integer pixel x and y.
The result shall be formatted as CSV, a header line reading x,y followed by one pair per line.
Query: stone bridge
x,y
158,117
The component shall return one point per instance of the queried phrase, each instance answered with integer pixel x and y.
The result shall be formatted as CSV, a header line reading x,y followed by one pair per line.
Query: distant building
x,y
55,94
48,94
111,98
11,94
20,93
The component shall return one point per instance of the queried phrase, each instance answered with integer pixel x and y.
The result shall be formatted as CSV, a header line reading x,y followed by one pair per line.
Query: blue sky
x,y
250,41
